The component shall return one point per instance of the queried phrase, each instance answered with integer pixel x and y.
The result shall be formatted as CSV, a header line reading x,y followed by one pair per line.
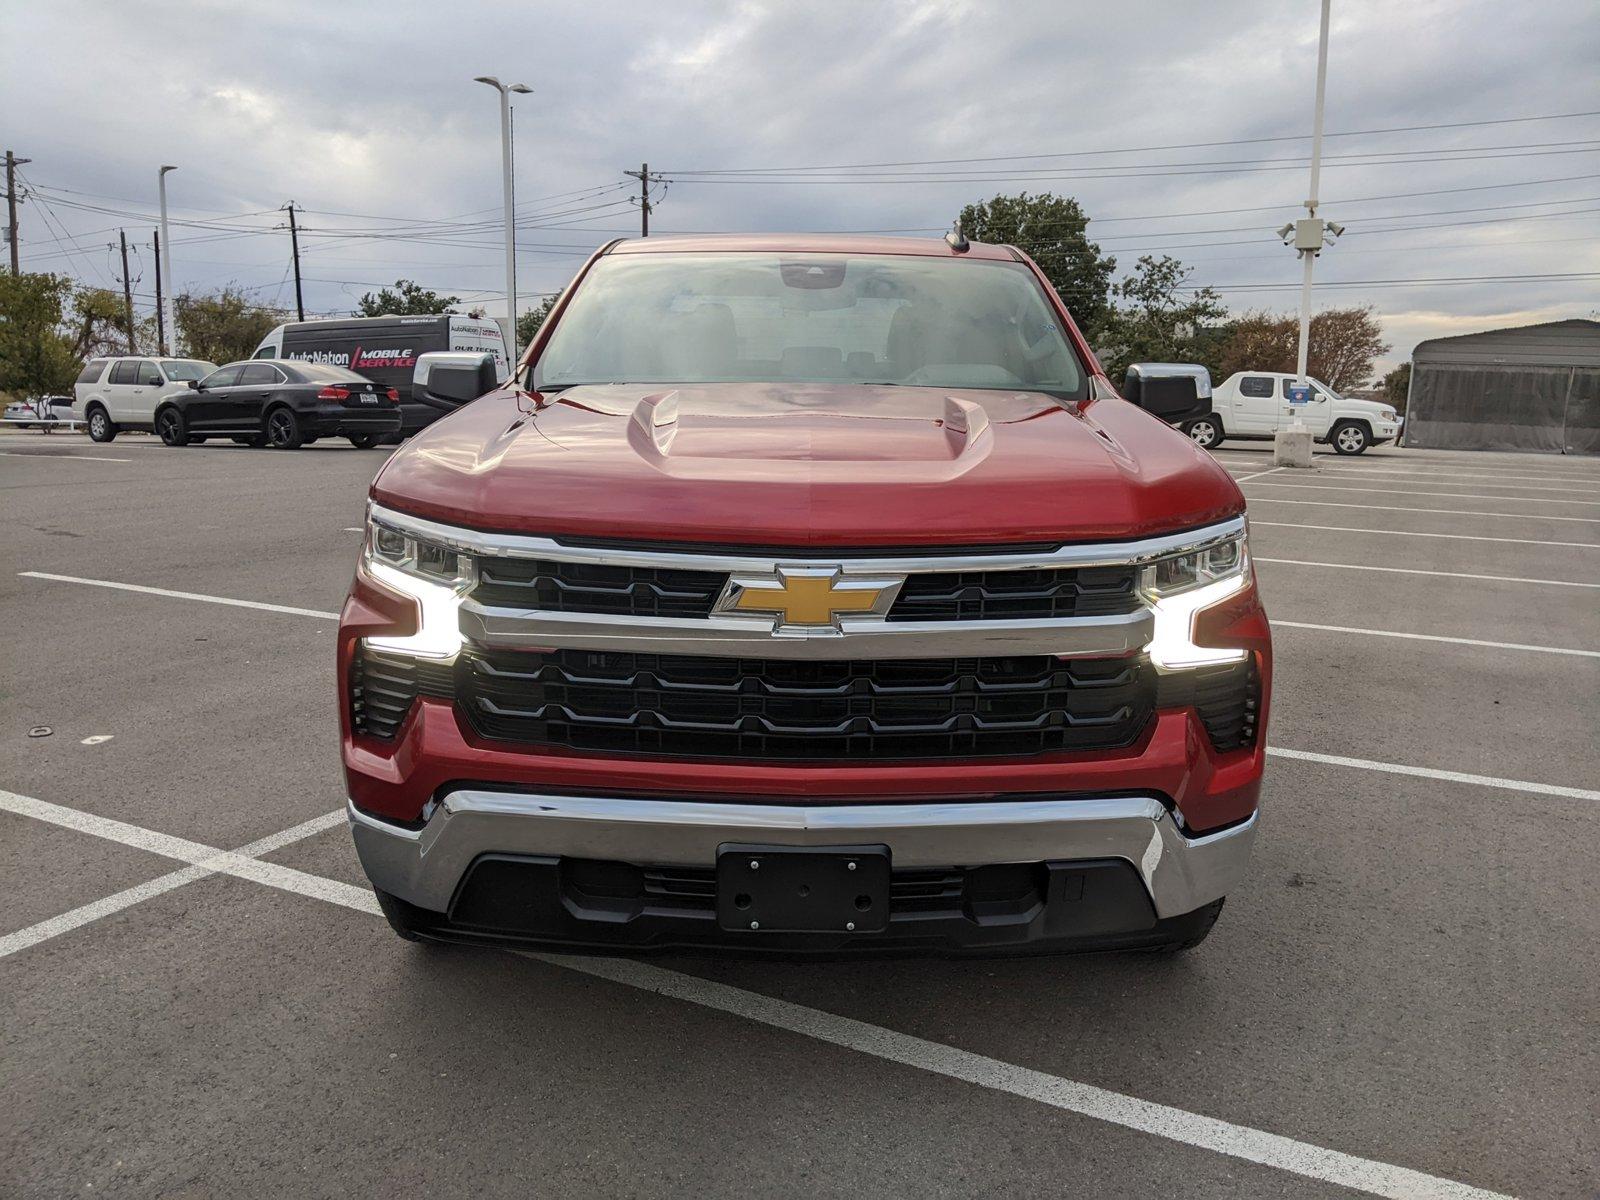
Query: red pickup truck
x,y
805,594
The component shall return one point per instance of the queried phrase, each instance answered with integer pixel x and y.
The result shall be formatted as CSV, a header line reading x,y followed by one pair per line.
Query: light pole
x,y
1308,235
169,319
505,91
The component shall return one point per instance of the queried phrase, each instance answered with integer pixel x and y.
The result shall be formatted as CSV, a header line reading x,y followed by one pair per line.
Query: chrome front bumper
x,y
424,866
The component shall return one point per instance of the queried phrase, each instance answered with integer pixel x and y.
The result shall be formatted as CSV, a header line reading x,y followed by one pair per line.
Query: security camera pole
x,y
505,91
1292,446
169,320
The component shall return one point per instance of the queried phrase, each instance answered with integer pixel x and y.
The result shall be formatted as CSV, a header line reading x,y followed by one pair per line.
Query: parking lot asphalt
x,y
1398,1002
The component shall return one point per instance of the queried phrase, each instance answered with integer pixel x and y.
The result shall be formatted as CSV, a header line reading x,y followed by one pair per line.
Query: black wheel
x,y
283,430
1199,924
174,430
1350,437
100,427
365,441
254,441
1205,432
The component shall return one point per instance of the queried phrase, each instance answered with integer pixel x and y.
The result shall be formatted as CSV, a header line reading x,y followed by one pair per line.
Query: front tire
x,y
365,441
100,427
174,430
283,430
1350,437
1205,432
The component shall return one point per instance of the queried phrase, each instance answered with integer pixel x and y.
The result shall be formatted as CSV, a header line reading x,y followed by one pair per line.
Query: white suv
x,y
1252,404
114,394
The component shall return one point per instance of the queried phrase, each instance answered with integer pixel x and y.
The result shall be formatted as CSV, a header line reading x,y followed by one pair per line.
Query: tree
x,y
1396,386
48,327
1343,345
528,323
223,326
37,356
1051,230
407,299
1155,318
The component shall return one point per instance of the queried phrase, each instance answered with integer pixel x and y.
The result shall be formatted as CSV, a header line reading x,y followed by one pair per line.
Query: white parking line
x,y
1258,475
1304,1159
1526,482
55,926
1448,512
155,591
1116,1108
1434,637
1304,562
1488,781
215,861
60,457
1460,537
1382,491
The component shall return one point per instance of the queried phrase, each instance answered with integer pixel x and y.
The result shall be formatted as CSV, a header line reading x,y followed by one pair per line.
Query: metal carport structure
x,y
1536,387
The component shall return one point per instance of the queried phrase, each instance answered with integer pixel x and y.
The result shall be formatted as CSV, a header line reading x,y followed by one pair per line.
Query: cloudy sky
x,y
1181,127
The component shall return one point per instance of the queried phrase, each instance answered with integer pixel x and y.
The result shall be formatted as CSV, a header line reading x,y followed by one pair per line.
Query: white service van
x,y
385,350
112,395
1256,404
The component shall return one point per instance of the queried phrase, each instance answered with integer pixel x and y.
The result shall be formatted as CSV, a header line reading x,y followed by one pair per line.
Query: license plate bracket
x,y
803,889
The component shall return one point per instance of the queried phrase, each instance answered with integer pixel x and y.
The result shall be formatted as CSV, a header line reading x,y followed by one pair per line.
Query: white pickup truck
x,y
1255,404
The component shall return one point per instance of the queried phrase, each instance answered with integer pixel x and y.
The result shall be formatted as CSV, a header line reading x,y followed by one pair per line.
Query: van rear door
x,y
482,335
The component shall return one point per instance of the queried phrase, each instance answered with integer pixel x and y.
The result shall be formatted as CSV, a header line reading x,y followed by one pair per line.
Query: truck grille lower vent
x,y
670,705
1227,698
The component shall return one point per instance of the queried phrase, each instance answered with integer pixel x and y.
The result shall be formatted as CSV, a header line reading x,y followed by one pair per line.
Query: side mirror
x,y
447,379
194,385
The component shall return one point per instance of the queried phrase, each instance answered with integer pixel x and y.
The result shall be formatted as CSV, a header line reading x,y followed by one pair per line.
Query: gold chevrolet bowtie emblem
x,y
815,597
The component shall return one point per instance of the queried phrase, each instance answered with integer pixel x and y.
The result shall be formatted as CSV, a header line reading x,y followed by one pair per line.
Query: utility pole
x,y
12,163
161,312
127,294
294,246
645,178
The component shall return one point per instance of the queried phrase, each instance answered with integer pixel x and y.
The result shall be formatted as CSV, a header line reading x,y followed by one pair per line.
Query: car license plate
x,y
369,398
801,889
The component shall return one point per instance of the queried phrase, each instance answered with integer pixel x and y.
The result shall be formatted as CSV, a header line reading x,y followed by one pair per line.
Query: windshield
x,y
811,318
180,371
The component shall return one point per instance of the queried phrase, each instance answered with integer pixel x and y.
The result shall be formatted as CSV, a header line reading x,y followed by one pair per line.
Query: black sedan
x,y
280,403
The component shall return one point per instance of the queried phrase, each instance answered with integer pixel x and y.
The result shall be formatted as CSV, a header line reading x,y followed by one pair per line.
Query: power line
x,y
1296,137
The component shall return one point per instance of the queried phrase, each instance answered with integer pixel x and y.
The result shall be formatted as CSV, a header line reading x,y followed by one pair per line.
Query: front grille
x,y
583,587
676,705
596,588
1227,699
1017,595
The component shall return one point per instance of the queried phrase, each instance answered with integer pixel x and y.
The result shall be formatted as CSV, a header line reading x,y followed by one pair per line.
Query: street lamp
x,y
168,315
505,91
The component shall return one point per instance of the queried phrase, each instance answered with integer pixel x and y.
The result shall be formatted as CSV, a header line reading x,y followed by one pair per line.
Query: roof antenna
x,y
957,240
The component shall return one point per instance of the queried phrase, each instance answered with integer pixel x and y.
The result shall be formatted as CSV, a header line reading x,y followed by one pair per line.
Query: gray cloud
x,y
361,111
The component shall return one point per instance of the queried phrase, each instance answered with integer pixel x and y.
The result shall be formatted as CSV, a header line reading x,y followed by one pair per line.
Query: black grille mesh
x,y
1016,595
674,705
555,586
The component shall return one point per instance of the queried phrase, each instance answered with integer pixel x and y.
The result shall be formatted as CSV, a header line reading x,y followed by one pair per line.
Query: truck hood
x,y
807,465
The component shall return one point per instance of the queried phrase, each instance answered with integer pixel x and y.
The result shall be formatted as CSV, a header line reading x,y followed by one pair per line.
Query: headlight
x,y
1179,586
1389,414
432,574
